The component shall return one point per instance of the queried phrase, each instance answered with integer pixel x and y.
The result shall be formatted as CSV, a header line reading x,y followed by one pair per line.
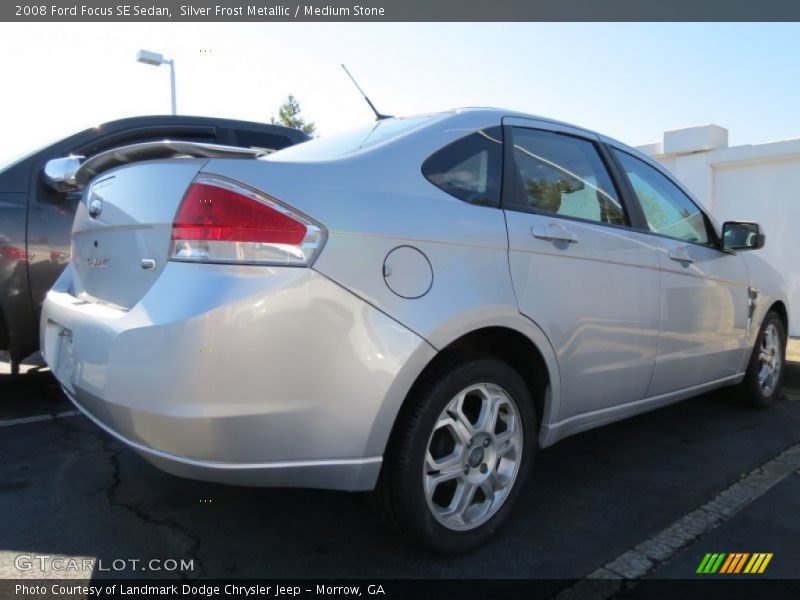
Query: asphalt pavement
x,y
69,491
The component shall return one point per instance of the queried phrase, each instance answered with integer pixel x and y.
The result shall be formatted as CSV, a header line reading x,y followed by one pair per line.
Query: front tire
x,y
461,452
762,382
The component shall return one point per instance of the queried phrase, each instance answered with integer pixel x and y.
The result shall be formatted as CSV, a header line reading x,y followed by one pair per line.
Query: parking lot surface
x,y
68,490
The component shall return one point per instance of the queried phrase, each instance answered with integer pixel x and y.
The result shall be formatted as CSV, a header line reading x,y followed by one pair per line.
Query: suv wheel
x,y
461,452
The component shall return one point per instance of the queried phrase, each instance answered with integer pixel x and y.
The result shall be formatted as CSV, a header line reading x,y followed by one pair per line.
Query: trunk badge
x,y
95,208
97,262
148,264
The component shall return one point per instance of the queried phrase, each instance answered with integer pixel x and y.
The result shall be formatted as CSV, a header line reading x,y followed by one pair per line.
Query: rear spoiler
x,y
123,155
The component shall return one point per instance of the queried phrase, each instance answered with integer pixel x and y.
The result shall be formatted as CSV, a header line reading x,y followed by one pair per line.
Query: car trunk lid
x,y
122,231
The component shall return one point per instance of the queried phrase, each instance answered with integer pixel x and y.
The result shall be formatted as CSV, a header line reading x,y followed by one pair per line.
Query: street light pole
x,y
156,60
171,64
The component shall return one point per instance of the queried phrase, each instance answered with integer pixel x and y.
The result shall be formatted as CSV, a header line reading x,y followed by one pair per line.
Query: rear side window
x,y
666,208
470,168
562,175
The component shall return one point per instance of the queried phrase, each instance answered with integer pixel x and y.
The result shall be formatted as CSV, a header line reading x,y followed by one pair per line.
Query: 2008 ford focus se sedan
x,y
414,307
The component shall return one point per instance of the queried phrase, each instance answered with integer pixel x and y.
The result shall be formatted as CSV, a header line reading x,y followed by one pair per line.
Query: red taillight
x,y
209,212
13,252
222,221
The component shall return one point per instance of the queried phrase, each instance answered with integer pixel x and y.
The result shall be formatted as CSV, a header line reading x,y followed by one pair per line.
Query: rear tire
x,y
461,451
764,376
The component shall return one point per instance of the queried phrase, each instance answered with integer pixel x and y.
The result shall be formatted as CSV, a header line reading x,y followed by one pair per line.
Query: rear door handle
x,y
680,254
554,232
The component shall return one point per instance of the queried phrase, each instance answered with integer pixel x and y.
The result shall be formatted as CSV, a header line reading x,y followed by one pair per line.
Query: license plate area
x,y
60,352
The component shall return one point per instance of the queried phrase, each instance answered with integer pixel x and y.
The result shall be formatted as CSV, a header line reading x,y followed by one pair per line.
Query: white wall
x,y
750,183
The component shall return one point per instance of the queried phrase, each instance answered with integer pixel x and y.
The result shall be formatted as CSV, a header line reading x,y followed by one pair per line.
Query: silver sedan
x,y
413,308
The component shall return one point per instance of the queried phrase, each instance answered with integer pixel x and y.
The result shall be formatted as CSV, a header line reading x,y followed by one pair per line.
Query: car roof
x,y
129,122
474,116
496,113
505,112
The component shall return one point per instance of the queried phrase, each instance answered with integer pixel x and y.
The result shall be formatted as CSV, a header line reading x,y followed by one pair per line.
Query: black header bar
x,y
398,10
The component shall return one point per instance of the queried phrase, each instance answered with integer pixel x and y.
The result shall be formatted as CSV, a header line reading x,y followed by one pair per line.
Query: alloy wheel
x,y
473,456
770,360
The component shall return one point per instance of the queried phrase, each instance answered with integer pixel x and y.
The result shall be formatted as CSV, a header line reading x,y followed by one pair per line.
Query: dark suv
x,y
36,219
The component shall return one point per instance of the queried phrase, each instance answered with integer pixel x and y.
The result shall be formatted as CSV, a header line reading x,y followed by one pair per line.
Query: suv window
x,y
470,168
667,209
565,176
149,134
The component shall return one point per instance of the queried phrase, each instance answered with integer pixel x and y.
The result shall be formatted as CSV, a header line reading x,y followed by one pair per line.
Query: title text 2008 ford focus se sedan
x,y
413,307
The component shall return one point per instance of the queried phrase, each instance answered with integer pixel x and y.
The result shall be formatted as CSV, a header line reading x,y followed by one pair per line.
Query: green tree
x,y
547,193
289,116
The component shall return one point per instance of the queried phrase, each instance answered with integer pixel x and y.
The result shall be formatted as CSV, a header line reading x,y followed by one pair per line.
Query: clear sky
x,y
630,81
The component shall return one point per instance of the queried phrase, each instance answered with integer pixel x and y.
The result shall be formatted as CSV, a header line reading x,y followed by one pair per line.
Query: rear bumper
x,y
342,474
243,375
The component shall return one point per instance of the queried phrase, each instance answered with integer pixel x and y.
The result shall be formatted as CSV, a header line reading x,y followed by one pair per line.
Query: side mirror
x,y
59,173
739,235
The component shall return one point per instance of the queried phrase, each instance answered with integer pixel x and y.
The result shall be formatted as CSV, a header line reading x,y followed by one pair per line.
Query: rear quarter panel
x,y
375,202
371,206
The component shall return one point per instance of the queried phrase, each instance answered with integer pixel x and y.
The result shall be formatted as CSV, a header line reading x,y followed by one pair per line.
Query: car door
x,y
579,270
705,299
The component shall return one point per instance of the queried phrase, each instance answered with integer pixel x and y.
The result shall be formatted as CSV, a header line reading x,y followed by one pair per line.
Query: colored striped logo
x,y
735,562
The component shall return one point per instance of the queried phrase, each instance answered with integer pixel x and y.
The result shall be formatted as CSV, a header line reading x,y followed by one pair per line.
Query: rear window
x,y
470,168
346,143
252,138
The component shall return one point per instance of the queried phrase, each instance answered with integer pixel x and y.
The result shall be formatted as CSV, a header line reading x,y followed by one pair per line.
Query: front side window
x,y
666,208
562,175
470,168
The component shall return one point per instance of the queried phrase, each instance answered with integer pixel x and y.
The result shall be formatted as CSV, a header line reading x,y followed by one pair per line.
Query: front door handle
x,y
554,232
680,254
